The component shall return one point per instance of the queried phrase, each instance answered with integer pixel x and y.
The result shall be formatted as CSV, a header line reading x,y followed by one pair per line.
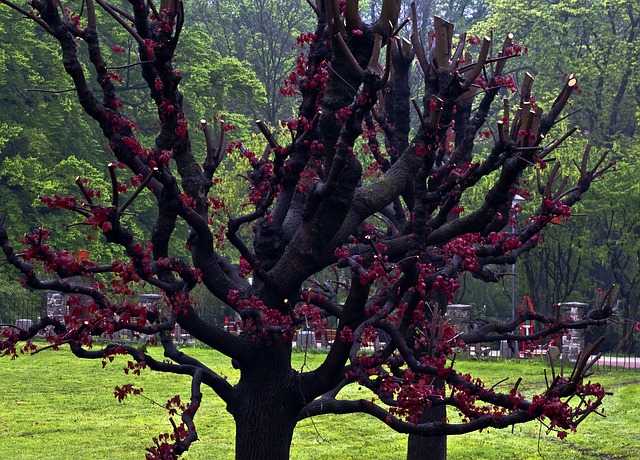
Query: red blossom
x,y
121,392
181,129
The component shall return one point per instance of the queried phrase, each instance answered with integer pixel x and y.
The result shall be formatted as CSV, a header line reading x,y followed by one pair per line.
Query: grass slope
x,y
53,406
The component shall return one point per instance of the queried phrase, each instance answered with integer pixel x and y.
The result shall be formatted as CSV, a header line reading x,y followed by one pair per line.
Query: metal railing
x,y
624,361
26,309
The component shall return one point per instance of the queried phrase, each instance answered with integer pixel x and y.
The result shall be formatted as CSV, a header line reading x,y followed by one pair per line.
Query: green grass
x,y
53,406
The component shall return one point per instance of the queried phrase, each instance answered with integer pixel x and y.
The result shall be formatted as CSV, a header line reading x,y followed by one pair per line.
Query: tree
x,y
261,33
350,189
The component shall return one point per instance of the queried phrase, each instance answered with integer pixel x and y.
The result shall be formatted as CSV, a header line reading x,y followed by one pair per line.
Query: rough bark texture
x,y
428,447
266,413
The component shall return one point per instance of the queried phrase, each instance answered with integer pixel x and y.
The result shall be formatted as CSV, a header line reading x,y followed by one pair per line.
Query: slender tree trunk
x,y
267,410
429,447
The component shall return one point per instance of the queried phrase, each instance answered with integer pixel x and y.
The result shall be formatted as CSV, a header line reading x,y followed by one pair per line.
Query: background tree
x,y
588,39
261,33
311,206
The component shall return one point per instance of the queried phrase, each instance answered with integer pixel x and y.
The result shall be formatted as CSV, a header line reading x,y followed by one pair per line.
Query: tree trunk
x,y
267,406
429,447
263,433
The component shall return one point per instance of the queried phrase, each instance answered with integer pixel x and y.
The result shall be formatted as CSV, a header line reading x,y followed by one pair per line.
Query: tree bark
x,y
261,433
429,447
266,407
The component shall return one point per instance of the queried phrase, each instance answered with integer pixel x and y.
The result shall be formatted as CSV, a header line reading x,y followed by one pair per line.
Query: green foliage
x,y
598,42
33,112
24,180
261,33
37,157
595,40
214,85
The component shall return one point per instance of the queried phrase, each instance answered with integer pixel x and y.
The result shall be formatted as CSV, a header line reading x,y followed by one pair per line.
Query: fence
x,y
613,356
627,362
22,309
22,312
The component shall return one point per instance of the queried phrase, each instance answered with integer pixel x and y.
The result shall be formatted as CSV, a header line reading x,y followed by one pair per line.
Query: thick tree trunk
x,y
262,432
267,406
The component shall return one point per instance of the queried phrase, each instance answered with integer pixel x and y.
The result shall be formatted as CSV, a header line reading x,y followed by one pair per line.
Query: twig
x,y
499,382
114,184
487,61
122,22
397,30
54,91
128,66
140,188
53,345
29,15
568,115
124,13
419,112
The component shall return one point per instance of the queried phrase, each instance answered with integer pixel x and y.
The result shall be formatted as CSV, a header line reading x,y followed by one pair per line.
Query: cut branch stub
x,y
434,118
114,184
501,132
215,155
558,104
459,50
168,5
83,190
508,42
466,99
444,39
515,126
375,55
352,15
525,91
403,46
416,41
267,134
387,63
535,125
390,12
140,188
482,58
349,56
333,13
505,114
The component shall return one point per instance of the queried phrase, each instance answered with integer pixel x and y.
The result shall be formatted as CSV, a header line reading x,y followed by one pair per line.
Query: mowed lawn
x,y
53,406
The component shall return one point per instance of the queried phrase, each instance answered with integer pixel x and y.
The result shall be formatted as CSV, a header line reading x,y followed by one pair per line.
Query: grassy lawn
x,y
53,406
